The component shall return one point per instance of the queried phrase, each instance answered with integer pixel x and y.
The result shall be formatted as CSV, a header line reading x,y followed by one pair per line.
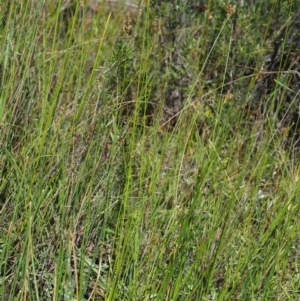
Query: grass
x,y
102,198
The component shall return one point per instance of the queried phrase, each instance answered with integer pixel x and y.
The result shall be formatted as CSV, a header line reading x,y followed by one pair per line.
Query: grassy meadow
x,y
108,194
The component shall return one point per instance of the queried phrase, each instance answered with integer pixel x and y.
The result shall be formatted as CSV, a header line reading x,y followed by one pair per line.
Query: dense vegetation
x,y
149,157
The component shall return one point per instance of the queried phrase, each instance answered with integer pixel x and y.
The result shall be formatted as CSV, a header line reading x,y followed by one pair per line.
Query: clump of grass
x,y
100,200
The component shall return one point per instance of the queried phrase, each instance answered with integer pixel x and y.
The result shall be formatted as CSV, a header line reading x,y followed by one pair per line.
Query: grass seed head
x,y
127,25
230,10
